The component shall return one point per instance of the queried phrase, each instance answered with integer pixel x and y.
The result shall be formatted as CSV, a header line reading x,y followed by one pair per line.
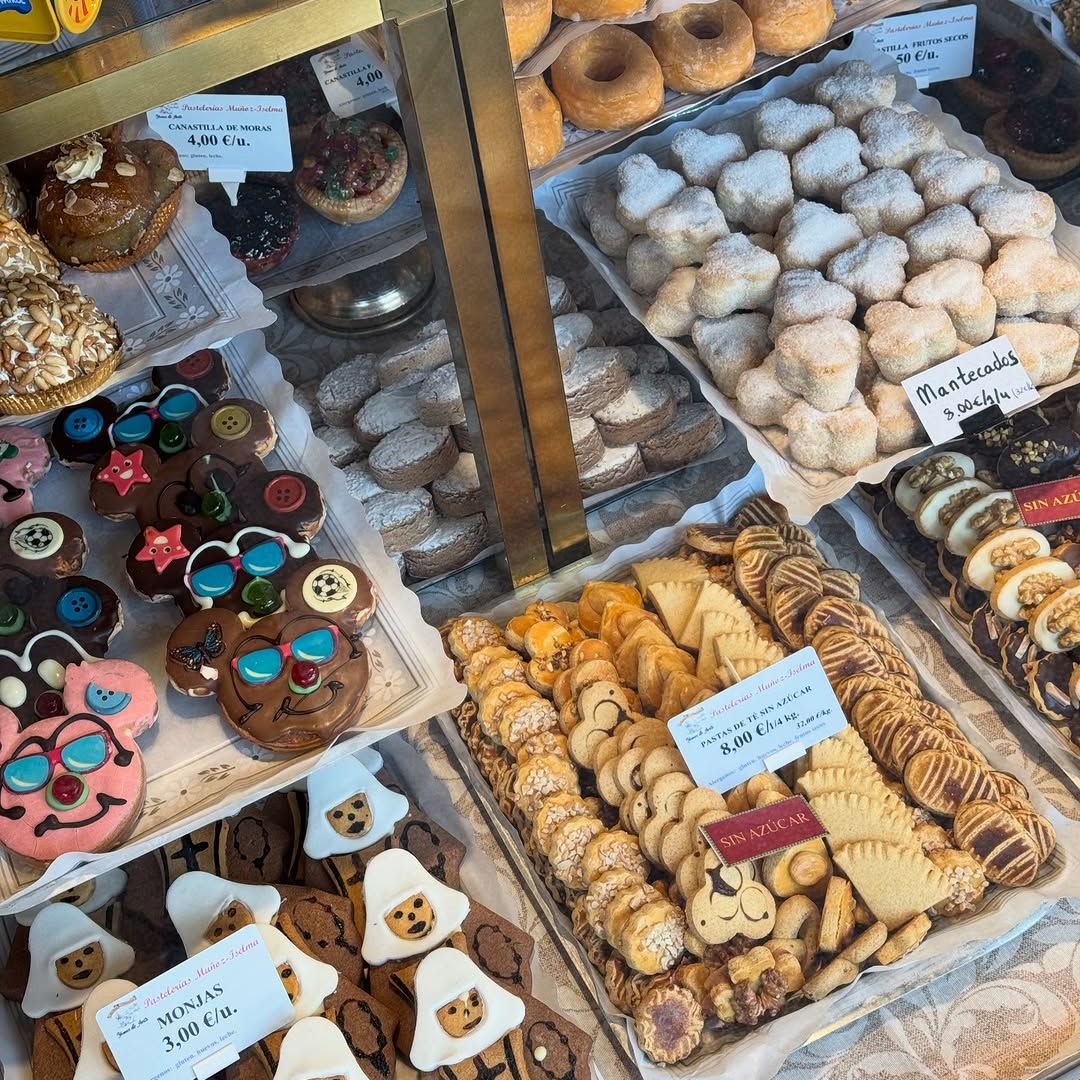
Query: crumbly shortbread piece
x,y
787,126
804,296
588,445
732,345
458,493
450,545
671,314
853,89
610,235
957,286
341,445
647,360
949,176
873,269
573,332
618,466
405,364
885,201
644,408
560,298
402,518
898,425
1006,213
647,267
819,361
896,139
597,378
1029,275
810,234
905,340
343,390
830,164
641,187
1047,350
948,233
438,401
756,192
359,481
385,411
759,396
700,156
736,275
844,440
695,431
686,227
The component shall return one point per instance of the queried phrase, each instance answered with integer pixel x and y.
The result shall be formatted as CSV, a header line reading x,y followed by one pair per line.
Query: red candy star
x,y
162,547
124,471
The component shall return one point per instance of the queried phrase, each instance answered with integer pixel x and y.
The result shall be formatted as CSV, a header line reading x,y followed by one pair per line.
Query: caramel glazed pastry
x,y
954,517
355,894
567,719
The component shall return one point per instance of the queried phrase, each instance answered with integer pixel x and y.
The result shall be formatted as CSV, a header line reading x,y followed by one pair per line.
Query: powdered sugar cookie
x,y
610,235
385,412
872,270
904,340
671,313
647,360
948,176
401,518
1006,213
787,126
343,390
341,445
736,275
700,156
646,407
759,396
458,493
819,361
695,431
618,466
597,378
412,455
588,445
948,233
573,332
1047,350
1029,275
853,89
885,201
560,300
403,365
810,234
733,344
895,139
844,440
756,192
824,168
686,227
647,267
957,286
898,425
359,481
438,400
804,296
642,187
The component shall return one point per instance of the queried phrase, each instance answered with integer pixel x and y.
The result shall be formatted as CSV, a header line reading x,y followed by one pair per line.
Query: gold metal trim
x,y
480,31
106,81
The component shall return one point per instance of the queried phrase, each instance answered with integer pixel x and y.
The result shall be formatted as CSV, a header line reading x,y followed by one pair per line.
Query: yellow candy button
x,y
231,422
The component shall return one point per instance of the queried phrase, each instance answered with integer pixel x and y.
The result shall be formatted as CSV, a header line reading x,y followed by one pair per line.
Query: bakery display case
x,y
419,497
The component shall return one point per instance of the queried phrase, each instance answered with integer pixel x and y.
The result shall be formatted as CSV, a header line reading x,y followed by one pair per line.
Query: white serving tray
x,y
759,1054
802,491
198,768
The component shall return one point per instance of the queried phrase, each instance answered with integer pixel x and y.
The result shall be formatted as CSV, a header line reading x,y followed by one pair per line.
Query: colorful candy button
x,y
82,425
12,619
172,439
261,596
196,365
216,505
231,422
78,607
285,494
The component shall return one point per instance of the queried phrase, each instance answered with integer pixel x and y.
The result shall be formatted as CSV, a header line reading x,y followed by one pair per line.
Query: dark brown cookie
x,y
321,924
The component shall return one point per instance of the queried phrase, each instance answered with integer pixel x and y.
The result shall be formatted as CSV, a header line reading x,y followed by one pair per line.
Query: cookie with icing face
x,y
163,422
206,908
204,371
32,681
24,460
314,1047
307,981
407,911
349,809
89,896
294,680
96,1061
460,1011
75,781
69,955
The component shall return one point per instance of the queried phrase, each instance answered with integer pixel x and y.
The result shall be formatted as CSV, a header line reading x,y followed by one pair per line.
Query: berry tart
x,y
1039,137
261,227
1009,69
353,169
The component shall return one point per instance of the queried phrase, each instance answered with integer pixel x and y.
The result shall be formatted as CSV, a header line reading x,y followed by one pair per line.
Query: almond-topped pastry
x,y
22,254
102,206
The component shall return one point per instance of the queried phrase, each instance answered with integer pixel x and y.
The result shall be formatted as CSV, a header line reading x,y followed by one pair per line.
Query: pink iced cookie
x,y
24,460
75,781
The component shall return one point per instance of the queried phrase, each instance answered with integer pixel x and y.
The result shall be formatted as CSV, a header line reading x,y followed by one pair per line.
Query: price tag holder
x,y
930,46
1049,503
948,393
197,1017
353,78
765,830
760,723
227,134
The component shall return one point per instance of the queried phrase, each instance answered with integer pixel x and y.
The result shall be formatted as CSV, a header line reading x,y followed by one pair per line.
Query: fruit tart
x,y
1008,69
353,169
104,205
261,228
1039,137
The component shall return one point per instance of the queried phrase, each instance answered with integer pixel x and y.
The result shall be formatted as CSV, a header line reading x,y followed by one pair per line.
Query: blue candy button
x,y
82,425
78,607
105,702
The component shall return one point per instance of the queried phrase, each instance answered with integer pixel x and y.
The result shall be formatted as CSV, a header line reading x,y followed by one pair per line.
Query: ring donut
x,y
527,24
608,79
703,47
603,10
541,120
788,27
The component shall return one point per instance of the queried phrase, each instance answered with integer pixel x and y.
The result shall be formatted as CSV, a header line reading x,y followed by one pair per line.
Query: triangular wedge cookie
x,y
675,600
649,571
626,658
896,883
860,781
850,817
845,753
713,597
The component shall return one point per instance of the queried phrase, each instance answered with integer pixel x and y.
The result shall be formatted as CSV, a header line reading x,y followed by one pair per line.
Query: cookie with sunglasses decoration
x,y
24,460
41,588
204,371
74,780
294,680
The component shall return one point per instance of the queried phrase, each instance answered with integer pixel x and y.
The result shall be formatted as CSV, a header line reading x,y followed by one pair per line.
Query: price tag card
x,y
759,723
1046,504
765,830
954,390
232,133
353,78
225,998
930,46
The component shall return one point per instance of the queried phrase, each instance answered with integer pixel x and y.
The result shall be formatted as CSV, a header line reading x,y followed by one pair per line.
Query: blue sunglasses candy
x,y
137,426
218,578
262,665
22,775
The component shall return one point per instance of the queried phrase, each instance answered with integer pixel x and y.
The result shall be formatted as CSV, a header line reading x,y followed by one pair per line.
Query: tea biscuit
x,y
903,940
885,201
733,344
644,408
836,973
837,916
652,937
787,126
826,167
343,390
668,1021
597,378
402,518
700,155
853,89
895,883
966,876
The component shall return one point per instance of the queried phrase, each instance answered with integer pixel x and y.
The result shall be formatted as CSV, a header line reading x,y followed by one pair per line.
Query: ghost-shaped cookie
x,y
307,981
460,1011
407,911
95,1058
314,1047
87,896
69,955
349,809
206,908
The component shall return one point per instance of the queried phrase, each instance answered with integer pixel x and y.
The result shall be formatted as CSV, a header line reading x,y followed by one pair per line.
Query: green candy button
x,y
261,596
12,619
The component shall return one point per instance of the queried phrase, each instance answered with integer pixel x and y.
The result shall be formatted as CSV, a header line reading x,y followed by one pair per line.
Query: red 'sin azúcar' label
x,y
1044,504
763,831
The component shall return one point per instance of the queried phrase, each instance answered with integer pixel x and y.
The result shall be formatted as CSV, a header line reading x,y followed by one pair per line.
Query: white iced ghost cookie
x,y
407,911
307,981
95,1058
313,1049
460,1012
349,809
206,909
88,896
69,955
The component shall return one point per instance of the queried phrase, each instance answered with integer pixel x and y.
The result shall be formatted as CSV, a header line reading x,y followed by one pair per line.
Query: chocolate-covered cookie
x,y
1046,453
157,560
162,422
204,371
80,433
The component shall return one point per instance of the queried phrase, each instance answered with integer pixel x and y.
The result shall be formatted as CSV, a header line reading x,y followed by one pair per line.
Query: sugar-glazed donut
x,y
608,79
703,47
788,27
527,24
541,120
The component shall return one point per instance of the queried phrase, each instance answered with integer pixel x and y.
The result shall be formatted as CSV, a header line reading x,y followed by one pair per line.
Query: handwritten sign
x,y
353,78
1044,504
753,834
760,723
988,375
930,46
205,1010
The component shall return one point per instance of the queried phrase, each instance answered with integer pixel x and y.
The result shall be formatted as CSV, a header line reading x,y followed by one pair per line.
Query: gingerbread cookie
x,y
24,460
294,680
205,908
322,925
96,1061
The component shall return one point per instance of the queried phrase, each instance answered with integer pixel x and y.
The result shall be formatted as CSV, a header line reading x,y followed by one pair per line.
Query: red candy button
x,y
67,789
196,365
305,674
285,494
49,704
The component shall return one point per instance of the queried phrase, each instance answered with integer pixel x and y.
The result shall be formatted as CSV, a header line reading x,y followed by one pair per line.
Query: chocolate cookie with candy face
x,y
204,371
294,680
41,589
157,560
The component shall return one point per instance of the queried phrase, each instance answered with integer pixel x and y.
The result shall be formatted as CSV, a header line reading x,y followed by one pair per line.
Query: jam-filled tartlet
x,y
261,228
1039,138
1008,69
353,169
